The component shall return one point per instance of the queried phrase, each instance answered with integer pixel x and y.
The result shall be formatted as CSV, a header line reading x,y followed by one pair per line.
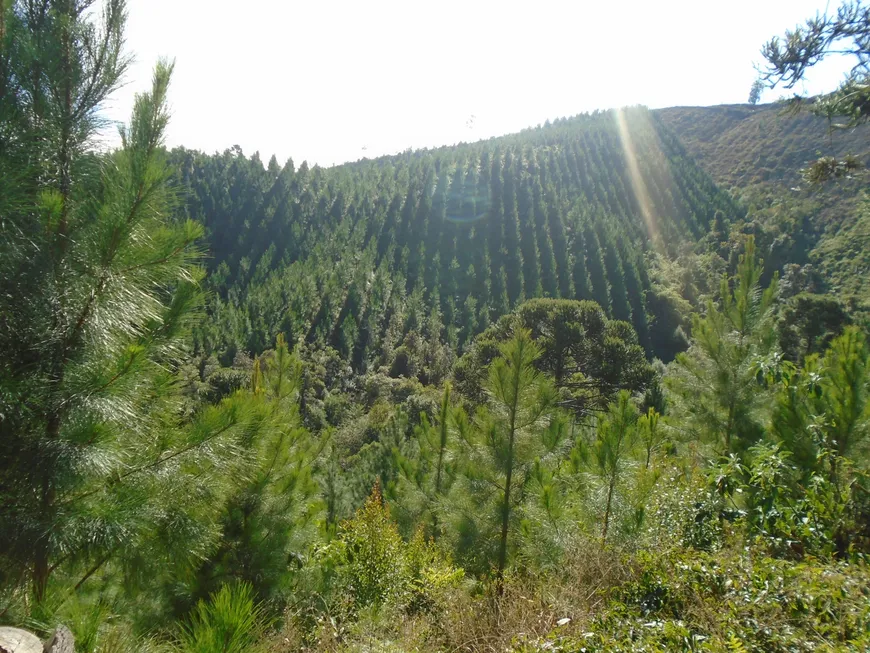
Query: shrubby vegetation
x,y
815,234
502,396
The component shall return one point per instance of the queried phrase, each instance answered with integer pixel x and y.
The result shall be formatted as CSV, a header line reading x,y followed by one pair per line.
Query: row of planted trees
x,y
467,232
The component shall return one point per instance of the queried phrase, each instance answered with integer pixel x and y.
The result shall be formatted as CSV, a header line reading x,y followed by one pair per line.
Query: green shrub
x,y
374,566
431,576
798,517
229,622
733,600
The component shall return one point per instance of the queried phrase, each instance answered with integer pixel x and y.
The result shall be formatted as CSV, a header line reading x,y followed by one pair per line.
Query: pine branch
x,y
138,470
92,571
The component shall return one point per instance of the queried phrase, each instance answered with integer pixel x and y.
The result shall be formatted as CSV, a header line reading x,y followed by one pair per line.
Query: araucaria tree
x,y
845,34
96,284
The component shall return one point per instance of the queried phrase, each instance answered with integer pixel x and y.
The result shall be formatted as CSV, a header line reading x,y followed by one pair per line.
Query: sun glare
x,y
638,184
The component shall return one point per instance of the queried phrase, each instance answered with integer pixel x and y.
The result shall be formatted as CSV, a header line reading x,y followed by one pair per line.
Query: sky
x,y
330,82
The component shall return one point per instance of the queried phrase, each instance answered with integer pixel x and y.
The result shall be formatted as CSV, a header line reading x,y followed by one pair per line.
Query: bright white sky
x,y
334,81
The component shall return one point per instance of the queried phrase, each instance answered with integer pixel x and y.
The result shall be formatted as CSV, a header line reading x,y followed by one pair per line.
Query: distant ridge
x,y
757,152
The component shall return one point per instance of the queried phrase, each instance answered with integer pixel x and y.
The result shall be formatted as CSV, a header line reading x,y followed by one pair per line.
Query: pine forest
x,y
599,385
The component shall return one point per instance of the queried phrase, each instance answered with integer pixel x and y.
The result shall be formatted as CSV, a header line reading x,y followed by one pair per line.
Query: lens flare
x,y
481,204
638,184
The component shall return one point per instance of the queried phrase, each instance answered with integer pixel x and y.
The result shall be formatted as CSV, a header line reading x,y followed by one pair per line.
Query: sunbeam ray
x,y
638,185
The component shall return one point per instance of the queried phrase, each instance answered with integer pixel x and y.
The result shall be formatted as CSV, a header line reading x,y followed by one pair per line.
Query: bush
x,y
370,569
798,517
230,622
732,600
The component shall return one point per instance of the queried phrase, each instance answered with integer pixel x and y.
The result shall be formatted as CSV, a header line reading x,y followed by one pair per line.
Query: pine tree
x,y
518,426
468,321
495,219
268,517
432,472
636,295
615,436
549,278
846,396
717,378
595,267
615,275
650,434
582,285
499,302
822,412
560,243
513,260
532,259
98,286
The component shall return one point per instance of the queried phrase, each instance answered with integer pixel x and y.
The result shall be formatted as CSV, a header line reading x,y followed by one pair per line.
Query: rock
x,y
15,640
60,642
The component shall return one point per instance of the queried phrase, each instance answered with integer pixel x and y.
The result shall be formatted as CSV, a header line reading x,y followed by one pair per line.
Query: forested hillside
x,y
446,241
757,153
601,385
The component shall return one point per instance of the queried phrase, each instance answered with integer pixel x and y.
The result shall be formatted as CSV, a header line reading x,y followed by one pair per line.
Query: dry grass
x,y
473,619
531,607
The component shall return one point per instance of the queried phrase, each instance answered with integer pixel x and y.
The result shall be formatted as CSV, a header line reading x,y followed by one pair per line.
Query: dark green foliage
x,y
588,356
488,223
808,323
616,278
595,265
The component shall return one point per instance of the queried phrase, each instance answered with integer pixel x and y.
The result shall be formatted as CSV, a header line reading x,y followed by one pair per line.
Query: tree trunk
x,y
729,426
607,509
505,522
506,505
437,492
442,448
42,545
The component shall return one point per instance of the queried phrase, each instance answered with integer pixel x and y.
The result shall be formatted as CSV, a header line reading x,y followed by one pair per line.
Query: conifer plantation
x,y
599,385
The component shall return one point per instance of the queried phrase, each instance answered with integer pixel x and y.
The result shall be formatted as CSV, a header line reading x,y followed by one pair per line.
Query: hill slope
x,y
744,145
757,152
436,245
